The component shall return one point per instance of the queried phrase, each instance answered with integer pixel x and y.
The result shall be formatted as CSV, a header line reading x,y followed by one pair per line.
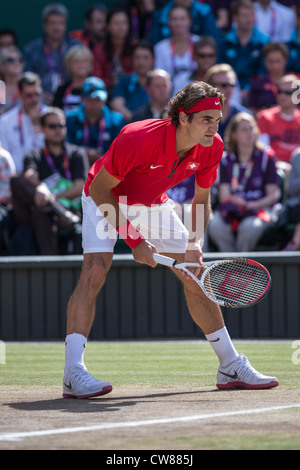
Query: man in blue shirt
x,y
93,125
242,46
45,56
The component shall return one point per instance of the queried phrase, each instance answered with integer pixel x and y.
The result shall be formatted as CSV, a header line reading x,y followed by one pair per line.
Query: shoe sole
x,y
104,391
245,386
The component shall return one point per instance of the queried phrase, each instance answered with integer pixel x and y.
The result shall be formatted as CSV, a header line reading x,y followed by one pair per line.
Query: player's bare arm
x,y
101,192
199,220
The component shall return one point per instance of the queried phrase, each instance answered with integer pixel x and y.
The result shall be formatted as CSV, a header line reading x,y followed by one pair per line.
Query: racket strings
x,y
236,283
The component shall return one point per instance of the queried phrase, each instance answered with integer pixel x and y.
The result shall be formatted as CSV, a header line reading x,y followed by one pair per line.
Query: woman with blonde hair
x,y
248,188
79,65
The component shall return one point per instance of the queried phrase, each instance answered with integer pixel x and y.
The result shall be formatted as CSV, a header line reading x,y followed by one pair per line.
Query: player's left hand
x,y
194,255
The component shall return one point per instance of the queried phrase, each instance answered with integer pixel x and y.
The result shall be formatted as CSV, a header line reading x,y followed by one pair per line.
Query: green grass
x,y
162,364
165,364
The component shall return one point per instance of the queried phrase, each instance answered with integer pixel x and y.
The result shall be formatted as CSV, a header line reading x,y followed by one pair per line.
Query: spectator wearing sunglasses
x,y
20,126
46,196
11,67
205,56
223,77
280,126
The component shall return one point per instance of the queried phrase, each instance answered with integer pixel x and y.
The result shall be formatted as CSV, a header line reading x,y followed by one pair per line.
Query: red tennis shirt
x,y
143,157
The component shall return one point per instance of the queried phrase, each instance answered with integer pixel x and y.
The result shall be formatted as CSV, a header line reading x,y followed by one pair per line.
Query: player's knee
x,y
94,273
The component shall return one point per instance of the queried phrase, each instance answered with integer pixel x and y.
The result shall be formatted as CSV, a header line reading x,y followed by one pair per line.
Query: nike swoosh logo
x,y
215,340
217,102
231,376
153,167
68,386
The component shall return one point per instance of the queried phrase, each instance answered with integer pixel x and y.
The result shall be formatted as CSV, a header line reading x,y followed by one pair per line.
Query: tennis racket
x,y
232,282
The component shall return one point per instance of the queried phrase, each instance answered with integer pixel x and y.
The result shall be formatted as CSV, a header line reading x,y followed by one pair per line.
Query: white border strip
x,y
19,436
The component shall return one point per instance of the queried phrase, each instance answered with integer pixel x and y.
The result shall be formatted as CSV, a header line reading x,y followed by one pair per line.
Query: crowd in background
x,y
66,95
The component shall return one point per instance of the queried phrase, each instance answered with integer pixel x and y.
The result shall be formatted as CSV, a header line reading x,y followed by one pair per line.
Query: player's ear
x,y
182,117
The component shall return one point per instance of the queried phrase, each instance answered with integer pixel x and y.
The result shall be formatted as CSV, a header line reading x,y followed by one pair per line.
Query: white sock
x,y
74,349
222,345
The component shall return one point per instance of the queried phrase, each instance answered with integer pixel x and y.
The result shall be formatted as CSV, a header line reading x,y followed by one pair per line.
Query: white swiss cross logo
x,y
192,166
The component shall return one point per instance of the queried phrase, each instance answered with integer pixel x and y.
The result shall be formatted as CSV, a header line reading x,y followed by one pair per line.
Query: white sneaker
x,y
78,383
241,375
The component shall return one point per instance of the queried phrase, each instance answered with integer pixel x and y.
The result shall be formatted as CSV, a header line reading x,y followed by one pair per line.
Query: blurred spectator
x,y
113,56
280,126
93,125
242,46
7,38
45,55
130,91
223,77
94,26
78,65
7,171
203,20
248,189
205,56
221,10
263,88
292,203
274,20
175,54
20,127
11,67
47,194
159,87
141,14
294,46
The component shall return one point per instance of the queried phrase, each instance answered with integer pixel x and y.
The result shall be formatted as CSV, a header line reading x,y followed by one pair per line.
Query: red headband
x,y
203,105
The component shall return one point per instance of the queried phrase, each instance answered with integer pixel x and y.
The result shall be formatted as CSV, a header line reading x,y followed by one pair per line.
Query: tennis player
x,y
125,193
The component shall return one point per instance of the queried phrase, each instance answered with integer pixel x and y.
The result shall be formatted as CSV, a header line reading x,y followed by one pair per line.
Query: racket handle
x,y
164,260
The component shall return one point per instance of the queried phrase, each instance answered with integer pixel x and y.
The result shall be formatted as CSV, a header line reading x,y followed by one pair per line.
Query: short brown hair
x,y
216,70
189,95
275,47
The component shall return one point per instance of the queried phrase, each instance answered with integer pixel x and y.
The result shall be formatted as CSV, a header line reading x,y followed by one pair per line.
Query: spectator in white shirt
x,y
274,19
19,128
175,54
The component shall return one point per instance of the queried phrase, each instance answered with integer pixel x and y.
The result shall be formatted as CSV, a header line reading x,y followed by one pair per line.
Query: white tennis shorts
x,y
159,224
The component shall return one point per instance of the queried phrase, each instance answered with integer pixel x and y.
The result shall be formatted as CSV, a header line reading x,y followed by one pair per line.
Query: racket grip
x,y
164,260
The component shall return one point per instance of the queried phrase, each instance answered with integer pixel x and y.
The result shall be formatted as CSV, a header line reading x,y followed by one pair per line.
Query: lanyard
x,y
86,133
235,183
20,127
52,165
49,58
273,23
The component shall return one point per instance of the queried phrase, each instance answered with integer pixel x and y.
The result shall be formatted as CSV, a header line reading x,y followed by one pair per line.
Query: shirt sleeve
x,y
271,176
206,177
31,161
78,165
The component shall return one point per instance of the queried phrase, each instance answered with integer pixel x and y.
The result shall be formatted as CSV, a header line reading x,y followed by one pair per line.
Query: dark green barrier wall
x,y
136,301
24,17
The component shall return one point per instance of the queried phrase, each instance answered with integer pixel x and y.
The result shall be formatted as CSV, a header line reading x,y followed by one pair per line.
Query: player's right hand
x,y
143,253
